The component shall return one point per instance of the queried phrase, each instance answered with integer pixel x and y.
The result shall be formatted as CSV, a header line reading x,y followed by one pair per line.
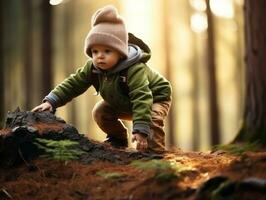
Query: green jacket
x,y
145,86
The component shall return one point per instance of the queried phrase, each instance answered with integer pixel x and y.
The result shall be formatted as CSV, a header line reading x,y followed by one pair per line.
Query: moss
x,y
110,175
238,149
164,170
152,165
250,133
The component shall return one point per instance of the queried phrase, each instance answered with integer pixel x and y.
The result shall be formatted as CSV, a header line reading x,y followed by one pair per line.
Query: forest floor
x,y
106,173
51,179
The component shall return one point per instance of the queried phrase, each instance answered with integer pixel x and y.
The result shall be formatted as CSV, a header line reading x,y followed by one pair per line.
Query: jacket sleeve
x,y
71,87
141,98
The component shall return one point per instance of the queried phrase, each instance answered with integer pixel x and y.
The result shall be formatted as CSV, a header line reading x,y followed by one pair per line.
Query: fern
x,y
62,150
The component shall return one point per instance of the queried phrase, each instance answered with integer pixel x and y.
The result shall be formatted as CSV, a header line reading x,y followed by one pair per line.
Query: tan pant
x,y
109,120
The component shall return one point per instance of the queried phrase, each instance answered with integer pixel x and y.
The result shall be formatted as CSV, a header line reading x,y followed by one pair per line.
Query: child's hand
x,y
43,107
142,143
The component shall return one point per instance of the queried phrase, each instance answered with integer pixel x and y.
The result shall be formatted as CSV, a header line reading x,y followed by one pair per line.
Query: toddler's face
x,y
104,57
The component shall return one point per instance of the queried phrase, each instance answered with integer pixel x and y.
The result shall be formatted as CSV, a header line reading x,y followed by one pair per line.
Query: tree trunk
x,y
2,105
254,123
195,91
69,52
172,117
28,53
18,141
195,96
46,47
214,111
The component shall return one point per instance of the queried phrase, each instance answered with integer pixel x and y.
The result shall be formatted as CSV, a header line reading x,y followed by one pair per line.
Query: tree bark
x,y
18,140
254,123
214,111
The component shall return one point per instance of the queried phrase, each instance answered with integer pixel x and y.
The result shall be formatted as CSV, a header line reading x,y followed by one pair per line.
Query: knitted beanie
x,y
107,28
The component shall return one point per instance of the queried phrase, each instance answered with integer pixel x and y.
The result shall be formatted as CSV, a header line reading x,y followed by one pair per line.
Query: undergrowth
x,y
62,150
164,170
237,149
110,175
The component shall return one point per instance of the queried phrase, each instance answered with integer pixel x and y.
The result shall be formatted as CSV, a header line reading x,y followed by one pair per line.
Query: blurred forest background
x,y
197,44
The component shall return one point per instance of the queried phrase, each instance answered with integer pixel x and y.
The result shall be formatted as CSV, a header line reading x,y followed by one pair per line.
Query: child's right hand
x,y
142,143
43,107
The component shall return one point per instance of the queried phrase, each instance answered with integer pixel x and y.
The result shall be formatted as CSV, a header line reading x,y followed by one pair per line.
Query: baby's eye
x,y
93,51
107,50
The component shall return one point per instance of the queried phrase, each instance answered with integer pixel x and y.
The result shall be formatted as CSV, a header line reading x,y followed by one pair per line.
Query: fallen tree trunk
x,y
23,127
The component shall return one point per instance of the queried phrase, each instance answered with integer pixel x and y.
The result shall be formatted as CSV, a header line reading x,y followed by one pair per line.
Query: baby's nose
x,y
100,55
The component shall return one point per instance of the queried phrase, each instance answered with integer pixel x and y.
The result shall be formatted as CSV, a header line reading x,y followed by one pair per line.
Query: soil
x,y
50,179
205,175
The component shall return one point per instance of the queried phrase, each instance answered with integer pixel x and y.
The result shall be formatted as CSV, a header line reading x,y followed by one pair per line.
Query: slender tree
x,y
28,34
69,54
46,75
172,117
214,111
254,122
2,102
194,65
195,96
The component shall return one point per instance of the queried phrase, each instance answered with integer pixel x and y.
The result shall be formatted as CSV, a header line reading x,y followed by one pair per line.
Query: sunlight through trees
x,y
42,43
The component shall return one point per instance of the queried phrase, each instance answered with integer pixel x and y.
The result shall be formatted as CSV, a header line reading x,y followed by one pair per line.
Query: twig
x,y
6,193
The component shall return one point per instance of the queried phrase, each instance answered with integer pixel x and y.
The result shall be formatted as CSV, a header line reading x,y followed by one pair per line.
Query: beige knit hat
x,y
108,28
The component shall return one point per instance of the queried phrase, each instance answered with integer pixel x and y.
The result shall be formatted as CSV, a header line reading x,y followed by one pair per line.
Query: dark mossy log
x,y
23,127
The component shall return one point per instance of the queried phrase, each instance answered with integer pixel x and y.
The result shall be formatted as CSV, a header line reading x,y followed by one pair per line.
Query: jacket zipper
x,y
105,76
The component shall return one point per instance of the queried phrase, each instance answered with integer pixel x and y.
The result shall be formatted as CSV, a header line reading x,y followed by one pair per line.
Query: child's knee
x,y
103,112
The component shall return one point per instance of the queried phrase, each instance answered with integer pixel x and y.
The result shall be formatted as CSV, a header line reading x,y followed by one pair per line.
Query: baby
x,y
130,90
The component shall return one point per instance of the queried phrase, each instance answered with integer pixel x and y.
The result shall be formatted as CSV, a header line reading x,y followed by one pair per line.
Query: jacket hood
x,y
145,50
138,51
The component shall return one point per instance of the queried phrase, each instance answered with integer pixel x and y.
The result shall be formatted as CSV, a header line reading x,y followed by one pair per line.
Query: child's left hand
x,y
142,142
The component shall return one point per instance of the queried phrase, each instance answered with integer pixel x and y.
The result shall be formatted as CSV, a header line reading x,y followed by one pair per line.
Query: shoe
x,y
116,142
